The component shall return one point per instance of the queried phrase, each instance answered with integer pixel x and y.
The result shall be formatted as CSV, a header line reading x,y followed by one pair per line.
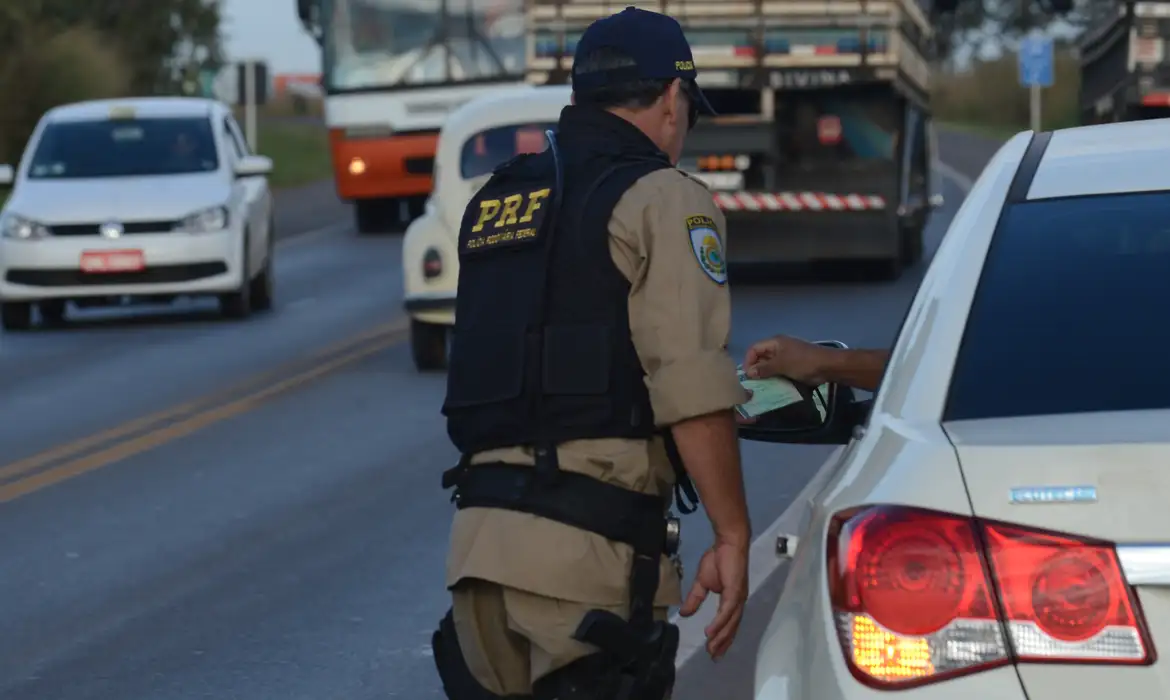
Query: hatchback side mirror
x,y
253,166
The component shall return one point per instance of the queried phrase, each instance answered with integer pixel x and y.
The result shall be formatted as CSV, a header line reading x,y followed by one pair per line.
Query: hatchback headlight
x,y
22,229
205,221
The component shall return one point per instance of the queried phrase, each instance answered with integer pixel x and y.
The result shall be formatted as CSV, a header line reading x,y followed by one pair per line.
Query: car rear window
x,y
103,148
487,149
1070,312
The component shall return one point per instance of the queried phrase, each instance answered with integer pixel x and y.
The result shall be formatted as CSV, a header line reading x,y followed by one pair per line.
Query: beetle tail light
x,y
432,264
920,596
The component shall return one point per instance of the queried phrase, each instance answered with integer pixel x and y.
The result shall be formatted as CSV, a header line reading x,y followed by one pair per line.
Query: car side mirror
x,y
253,166
827,416
7,175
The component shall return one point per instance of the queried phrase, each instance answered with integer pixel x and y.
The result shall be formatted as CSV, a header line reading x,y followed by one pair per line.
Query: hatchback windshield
x,y
124,148
487,149
1068,316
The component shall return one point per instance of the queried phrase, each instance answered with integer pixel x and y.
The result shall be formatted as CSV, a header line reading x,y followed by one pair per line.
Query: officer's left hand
x,y
723,571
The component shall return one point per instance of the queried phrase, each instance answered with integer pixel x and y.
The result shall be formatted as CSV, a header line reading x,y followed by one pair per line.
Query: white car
x,y
477,137
136,199
999,526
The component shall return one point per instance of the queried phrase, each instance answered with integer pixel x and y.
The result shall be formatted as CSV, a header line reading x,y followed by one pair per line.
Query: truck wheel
x,y
428,346
912,246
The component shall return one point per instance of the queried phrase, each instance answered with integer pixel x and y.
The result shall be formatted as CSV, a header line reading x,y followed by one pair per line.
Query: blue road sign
x,y
1036,61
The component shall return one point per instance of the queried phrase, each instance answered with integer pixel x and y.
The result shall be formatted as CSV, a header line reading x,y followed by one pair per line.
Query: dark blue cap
x,y
654,41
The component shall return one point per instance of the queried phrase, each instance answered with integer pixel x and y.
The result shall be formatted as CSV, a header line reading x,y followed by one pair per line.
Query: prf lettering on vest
x,y
509,220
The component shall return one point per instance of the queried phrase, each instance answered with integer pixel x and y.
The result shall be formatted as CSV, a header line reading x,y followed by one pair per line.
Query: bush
x,y
50,69
989,94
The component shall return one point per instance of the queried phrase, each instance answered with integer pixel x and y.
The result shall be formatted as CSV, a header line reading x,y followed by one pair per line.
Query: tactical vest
x,y
541,350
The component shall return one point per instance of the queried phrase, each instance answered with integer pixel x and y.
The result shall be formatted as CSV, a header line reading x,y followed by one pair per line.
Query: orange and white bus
x,y
392,70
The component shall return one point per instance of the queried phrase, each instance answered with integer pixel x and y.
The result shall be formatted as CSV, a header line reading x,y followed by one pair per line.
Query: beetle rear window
x,y
487,149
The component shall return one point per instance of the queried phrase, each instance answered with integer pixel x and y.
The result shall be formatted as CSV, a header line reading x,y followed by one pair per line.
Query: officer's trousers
x,y
511,638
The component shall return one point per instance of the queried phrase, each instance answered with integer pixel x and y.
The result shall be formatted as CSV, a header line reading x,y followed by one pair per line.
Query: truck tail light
x,y
724,163
920,596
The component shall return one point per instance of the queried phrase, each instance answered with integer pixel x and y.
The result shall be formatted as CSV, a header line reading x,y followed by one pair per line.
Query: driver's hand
x,y
784,356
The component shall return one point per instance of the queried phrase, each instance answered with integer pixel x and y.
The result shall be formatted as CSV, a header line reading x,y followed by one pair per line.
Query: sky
x,y
268,30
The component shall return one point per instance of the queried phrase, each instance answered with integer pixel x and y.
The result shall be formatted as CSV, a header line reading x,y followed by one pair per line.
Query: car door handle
x,y
786,546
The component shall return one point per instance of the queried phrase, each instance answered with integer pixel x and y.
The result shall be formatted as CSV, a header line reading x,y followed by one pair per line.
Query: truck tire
x,y
890,269
912,245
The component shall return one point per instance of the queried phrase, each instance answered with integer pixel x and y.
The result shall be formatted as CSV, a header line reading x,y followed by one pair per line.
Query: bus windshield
x,y
373,44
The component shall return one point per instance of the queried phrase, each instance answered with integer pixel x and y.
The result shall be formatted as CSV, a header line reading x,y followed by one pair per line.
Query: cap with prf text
x,y
654,41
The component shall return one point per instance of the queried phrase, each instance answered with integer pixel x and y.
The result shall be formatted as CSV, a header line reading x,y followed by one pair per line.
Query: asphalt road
x,y
193,508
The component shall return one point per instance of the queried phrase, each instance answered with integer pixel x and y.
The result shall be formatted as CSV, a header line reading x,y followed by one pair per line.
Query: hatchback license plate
x,y
112,261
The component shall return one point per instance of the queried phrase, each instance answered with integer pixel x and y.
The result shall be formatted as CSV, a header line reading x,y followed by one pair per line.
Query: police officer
x,y
589,376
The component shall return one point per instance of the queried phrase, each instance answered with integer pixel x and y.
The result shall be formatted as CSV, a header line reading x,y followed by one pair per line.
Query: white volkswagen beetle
x,y
476,138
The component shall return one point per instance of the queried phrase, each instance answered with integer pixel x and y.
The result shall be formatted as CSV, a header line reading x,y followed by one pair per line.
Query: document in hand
x,y
775,393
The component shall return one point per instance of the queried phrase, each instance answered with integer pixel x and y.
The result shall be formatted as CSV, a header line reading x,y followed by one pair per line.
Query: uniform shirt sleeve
x,y
667,238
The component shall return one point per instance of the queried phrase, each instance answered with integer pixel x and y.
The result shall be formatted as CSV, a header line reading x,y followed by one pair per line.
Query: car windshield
x,y
487,149
384,43
1068,317
124,148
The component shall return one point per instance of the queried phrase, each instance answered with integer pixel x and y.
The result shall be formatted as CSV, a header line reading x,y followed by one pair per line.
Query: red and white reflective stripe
x,y
797,201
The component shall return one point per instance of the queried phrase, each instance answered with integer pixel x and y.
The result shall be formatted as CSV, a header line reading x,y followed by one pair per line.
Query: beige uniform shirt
x,y
666,237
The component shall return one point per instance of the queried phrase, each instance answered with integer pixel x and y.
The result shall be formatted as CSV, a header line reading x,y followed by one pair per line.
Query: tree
x,y
158,38
962,23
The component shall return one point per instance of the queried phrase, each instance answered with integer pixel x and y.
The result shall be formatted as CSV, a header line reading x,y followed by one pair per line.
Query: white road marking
x,y
762,558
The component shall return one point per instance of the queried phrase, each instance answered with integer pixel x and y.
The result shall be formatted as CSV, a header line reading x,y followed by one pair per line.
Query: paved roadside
x,y
309,208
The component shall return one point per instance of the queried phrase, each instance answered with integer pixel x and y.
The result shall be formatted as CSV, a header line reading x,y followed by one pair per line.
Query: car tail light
x,y
432,264
920,596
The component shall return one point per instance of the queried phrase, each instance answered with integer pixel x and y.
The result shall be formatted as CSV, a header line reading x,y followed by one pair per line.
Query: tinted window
x,y
1069,315
487,149
124,147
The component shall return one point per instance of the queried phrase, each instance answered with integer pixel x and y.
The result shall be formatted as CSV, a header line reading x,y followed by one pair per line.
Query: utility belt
x,y
638,653
637,519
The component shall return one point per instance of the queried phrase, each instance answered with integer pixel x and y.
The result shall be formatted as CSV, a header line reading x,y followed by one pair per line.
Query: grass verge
x,y
299,152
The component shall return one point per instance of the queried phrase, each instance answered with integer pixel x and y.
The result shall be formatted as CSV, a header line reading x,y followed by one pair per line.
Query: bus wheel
x,y
366,214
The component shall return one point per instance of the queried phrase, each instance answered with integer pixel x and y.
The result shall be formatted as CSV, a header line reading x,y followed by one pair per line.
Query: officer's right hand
x,y
785,356
722,570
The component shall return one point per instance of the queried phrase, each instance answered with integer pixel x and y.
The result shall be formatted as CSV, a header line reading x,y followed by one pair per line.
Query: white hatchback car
x,y
477,137
999,525
136,199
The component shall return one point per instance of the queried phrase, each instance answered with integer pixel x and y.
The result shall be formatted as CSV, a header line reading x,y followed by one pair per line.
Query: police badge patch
x,y
708,247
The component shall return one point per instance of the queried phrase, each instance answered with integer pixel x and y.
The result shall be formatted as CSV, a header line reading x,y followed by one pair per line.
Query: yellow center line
x,y
188,426
137,425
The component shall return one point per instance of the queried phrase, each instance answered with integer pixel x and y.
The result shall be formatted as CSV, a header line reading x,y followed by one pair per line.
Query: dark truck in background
x,y
823,147
1125,75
